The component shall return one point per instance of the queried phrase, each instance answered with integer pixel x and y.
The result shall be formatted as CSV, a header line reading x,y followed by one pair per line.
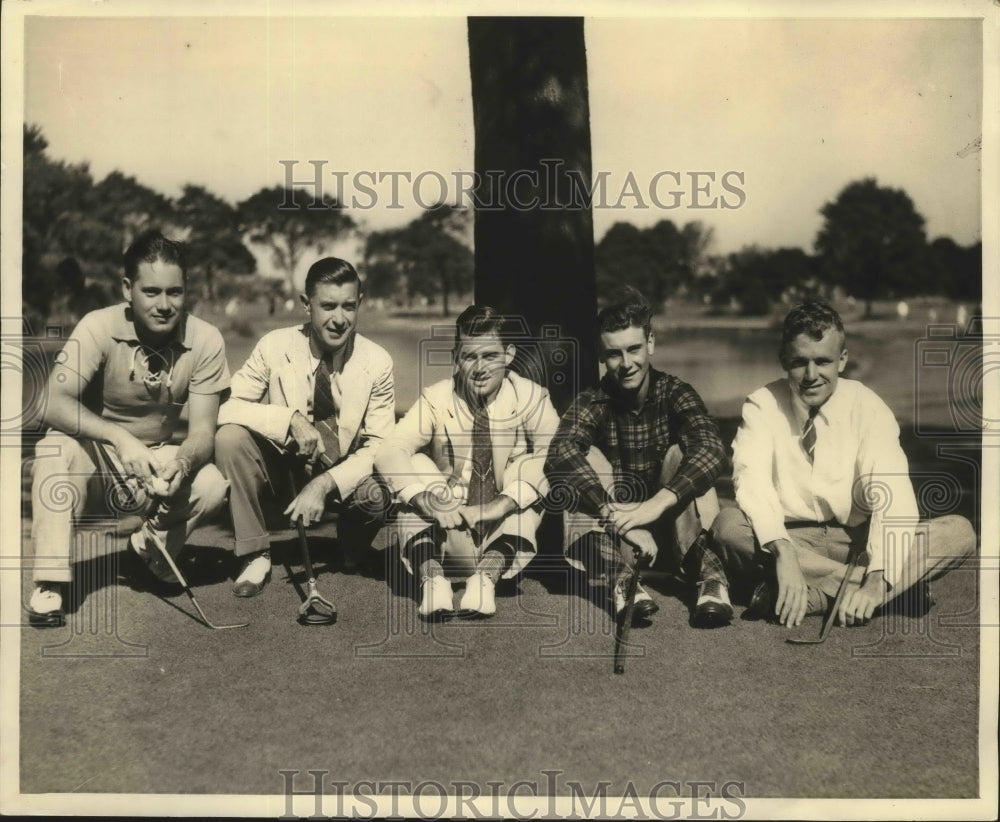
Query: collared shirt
x,y
635,441
114,367
439,426
858,468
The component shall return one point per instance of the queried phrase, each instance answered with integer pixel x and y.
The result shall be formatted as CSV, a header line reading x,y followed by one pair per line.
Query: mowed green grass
x,y
134,695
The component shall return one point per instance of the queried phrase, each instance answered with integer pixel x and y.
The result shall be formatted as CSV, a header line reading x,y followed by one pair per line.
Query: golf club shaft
x,y
841,593
120,481
304,545
625,626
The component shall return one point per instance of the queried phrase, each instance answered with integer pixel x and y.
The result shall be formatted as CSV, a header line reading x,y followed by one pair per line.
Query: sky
x,y
788,112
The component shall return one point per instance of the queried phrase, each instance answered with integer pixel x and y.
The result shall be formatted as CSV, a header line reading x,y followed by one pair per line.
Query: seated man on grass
x,y
115,398
315,400
467,462
642,455
819,475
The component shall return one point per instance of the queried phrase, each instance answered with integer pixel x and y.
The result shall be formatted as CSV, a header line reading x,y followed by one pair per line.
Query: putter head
x,y
619,669
316,610
314,617
792,641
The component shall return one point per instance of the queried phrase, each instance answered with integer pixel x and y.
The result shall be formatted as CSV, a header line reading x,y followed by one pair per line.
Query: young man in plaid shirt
x,y
641,455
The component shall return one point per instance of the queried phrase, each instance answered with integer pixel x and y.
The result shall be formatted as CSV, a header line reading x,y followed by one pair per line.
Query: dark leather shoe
x,y
915,602
761,603
644,607
713,609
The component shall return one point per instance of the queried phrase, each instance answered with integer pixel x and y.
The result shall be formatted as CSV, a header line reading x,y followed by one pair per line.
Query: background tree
x,y
290,222
530,104
660,260
126,208
872,242
954,270
63,240
428,257
756,278
620,257
214,240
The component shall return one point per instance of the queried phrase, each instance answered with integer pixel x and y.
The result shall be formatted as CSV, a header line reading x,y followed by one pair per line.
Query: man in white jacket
x,y
309,394
467,461
819,474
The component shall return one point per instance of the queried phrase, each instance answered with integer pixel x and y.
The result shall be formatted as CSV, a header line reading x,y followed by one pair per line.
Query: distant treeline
x,y
872,244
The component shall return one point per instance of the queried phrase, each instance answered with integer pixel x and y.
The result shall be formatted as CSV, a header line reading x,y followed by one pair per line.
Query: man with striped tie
x,y
467,462
319,391
819,475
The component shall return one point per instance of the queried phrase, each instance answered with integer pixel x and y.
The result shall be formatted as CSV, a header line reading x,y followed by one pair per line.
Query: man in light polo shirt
x,y
115,395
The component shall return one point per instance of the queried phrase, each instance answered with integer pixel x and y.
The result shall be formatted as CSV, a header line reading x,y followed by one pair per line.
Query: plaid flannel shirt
x,y
635,442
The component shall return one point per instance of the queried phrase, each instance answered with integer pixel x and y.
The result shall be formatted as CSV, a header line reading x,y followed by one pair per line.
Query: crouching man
x,y
641,454
819,476
467,462
115,399
311,405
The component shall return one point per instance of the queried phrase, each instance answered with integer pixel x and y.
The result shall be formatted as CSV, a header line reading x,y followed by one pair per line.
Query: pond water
x,y
723,365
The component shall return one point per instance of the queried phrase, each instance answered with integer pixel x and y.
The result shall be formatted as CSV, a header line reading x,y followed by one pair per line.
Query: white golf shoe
x,y
478,599
436,597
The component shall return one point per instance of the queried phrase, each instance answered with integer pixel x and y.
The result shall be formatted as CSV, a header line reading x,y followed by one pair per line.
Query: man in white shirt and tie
x,y
819,474
312,389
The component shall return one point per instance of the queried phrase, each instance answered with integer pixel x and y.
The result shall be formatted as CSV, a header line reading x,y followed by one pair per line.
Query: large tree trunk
x,y
529,94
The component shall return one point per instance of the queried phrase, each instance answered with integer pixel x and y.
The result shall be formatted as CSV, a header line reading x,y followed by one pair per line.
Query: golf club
x,y
119,480
187,590
624,625
832,616
315,608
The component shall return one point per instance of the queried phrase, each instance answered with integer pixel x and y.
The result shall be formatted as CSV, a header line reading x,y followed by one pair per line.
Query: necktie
x,y
325,411
482,484
808,438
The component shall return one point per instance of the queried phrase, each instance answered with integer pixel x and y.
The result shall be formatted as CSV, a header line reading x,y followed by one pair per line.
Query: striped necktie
x,y
482,483
808,438
325,411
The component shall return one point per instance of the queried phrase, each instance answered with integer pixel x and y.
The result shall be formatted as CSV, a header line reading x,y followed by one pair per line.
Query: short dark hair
x,y
478,321
151,246
812,318
331,270
630,310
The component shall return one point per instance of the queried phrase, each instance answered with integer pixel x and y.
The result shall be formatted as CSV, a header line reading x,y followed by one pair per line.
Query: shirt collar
x,y
345,354
123,329
616,397
505,388
827,410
